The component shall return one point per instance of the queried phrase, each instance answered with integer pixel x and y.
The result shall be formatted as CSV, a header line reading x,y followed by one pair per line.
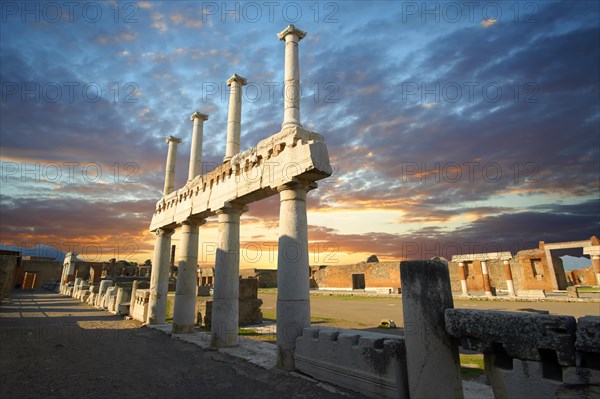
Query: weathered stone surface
x,y
588,334
521,335
370,363
432,354
524,379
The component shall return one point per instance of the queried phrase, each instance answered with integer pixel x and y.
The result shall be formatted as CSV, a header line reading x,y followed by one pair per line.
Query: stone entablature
x,y
290,155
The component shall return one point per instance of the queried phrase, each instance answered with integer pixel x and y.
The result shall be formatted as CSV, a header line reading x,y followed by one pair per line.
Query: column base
x,y
182,329
488,293
285,359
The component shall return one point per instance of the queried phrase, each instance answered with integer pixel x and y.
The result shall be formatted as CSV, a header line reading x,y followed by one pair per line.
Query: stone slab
x,y
521,335
370,363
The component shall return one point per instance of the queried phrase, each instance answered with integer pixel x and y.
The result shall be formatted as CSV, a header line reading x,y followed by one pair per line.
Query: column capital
x,y
199,115
298,184
194,220
236,78
291,29
173,139
232,207
164,232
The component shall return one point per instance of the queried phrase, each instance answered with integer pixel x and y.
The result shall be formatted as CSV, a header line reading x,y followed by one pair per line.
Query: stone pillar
x,y
171,159
159,278
293,299
596,267
486,279
184,309
196,150
462,274
291,109
431,354
225,307
509,278
234,118
134,288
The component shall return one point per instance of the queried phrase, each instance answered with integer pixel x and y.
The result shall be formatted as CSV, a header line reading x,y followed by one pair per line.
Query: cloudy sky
x,y
452,127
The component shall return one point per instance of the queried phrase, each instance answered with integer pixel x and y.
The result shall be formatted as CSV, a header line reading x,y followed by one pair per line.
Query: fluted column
x,y
159,280
225,307
196,149
293,295
170,169
509,278
184,310
291,109
234,118
486,279
462,273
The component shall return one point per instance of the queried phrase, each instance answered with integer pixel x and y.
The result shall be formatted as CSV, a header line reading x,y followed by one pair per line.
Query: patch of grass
x,y
588,289
268,290
471,366
269,314
322,320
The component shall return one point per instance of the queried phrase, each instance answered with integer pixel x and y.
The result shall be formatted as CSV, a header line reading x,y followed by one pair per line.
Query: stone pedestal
x,y
159,279
225,308
184,310
432,354
293,299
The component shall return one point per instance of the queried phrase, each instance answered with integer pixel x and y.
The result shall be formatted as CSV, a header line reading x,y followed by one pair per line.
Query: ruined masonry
x,y
287,163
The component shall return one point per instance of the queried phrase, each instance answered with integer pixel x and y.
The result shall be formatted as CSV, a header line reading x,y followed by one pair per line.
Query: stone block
x,y
572,292
140,311
522,336
588,334
372,364
524,379
531,293
248,288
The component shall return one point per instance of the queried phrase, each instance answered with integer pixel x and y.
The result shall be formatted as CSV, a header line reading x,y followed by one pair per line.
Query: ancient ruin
x,y
287,163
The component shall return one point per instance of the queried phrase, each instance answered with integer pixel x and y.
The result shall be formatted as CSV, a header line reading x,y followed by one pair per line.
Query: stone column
x,y
509,278
184,310
234,118
431,353
225,307
171,159
291,110
196,150
159,279
596,267
486,279
463,278
293,291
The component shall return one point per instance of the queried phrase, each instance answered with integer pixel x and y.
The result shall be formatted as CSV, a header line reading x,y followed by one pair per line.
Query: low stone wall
x,y
373,364
532,355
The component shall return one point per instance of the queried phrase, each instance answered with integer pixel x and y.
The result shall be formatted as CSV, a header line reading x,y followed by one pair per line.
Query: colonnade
x,y
293,304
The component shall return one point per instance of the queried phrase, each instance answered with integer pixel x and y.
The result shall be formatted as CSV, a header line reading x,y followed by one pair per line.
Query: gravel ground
x,y
56,347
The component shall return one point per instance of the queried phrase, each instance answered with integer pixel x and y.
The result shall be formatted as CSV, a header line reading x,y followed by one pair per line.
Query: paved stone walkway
x,y
56,347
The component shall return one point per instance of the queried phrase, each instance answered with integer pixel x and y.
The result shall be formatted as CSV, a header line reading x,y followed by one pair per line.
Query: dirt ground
x,y
367,312
55,347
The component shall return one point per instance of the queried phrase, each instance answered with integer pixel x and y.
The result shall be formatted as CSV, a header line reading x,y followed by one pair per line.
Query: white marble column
x,y
196,150
234,118
225,307
184,309
462,273
291,110
171,159
159,279
509,278
486,279
293,295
